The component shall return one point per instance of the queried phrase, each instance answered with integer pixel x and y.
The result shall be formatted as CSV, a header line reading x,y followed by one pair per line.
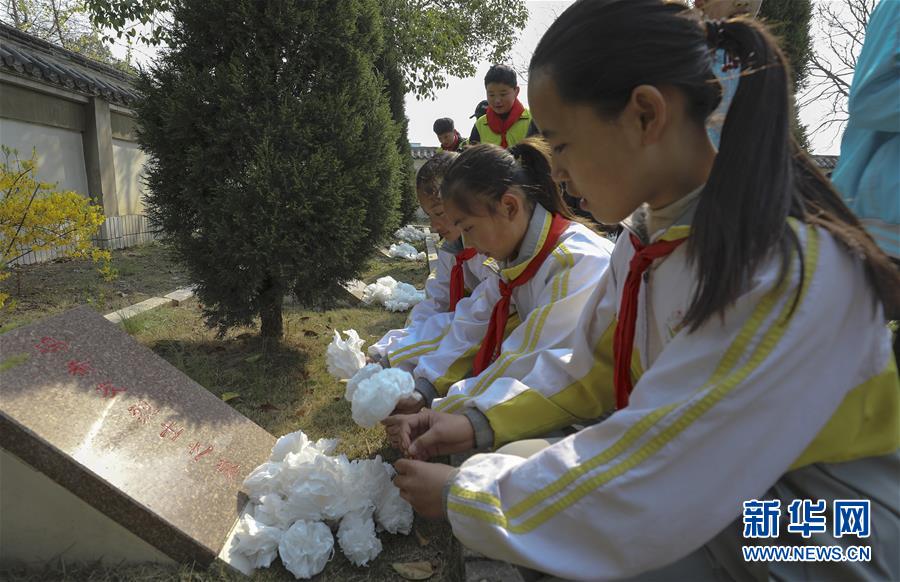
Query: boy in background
x,y
507,121
447,135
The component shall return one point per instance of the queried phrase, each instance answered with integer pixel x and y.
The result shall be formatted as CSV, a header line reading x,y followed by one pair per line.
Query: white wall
x,y
129,161
60,155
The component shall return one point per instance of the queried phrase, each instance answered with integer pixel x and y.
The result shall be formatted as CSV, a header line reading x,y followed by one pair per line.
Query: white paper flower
x,y
290,443
256,541
379,291
393,513
345,357
364,482
263,480
326,446
365,372
409,233
403,251
376,396
270,510
315,489
356,536
404,297
305,548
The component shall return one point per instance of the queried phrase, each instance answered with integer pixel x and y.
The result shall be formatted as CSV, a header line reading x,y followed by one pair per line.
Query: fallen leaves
x,y
414,570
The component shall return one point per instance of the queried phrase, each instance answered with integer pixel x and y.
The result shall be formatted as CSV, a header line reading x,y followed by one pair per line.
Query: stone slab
x,y
104,417
132,310
355,288
179,296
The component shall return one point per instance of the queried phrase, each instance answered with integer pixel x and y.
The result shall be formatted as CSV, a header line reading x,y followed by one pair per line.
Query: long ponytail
x,y
743,209
533,155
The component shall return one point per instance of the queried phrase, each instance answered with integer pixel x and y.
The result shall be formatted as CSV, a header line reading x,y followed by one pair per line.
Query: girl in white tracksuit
x,y
739,333
459,271
510,209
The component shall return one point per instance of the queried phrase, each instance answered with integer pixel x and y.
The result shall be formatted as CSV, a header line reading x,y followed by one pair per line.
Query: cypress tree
x,y
266,124
790,20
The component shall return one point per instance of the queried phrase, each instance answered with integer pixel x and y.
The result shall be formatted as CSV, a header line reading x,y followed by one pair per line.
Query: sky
x,y
458,101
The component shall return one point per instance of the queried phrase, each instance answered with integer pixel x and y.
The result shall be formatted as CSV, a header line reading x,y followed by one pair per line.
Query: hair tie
x,y
717,38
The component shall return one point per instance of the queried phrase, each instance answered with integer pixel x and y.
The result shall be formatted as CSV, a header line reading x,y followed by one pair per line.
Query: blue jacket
x,y
868,172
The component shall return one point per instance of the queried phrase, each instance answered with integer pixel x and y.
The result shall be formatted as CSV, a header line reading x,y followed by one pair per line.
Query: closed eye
x,y
558,149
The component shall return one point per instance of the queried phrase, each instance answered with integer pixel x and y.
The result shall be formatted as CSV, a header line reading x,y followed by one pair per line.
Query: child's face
x,y
447,138
440,224
496,234
600,160
501,97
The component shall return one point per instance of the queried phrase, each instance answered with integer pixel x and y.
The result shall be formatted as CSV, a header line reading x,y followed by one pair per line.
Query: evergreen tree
x,y
266,125
790,20
396,91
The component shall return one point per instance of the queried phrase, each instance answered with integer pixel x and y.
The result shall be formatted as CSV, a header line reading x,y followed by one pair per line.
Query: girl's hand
x,y
410,405
422,485
430,434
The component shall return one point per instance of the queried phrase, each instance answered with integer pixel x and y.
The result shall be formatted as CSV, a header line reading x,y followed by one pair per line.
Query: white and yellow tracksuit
x,y
792,394
548,307
429,320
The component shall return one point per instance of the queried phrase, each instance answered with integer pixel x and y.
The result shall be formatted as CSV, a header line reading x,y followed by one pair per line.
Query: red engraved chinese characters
x,y
77,368
142,411
168,428
196,453
107,389
228,469
50,345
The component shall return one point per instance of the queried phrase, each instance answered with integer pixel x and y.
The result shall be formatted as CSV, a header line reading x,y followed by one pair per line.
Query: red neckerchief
x,y
490,346
623,343
455,144
499,125
457,278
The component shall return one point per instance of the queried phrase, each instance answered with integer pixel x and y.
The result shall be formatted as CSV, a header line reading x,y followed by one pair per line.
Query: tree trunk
x,y
271,300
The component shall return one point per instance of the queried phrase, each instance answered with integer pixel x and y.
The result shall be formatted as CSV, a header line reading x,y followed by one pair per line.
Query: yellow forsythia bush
x,y
35,217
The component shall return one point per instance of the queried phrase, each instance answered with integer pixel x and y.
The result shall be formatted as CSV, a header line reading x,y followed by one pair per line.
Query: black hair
x,y
431,174
501,74
760,176
487,171
443,125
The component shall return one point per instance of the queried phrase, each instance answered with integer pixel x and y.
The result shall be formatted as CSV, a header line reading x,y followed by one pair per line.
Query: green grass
x,y
45,289
413,272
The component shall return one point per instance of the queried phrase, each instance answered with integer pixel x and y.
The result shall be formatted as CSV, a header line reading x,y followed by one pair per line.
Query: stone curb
x,y
174,298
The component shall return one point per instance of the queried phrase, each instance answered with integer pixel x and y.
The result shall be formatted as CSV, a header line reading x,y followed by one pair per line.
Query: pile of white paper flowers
x,y
406,251
303,493
410,233
393,295
373,393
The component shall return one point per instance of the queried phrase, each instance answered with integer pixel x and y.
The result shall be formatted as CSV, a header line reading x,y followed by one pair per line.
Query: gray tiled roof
x,y
423,152
27,56
826,163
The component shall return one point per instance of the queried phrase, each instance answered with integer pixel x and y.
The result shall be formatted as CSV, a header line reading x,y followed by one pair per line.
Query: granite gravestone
x,y
111,453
